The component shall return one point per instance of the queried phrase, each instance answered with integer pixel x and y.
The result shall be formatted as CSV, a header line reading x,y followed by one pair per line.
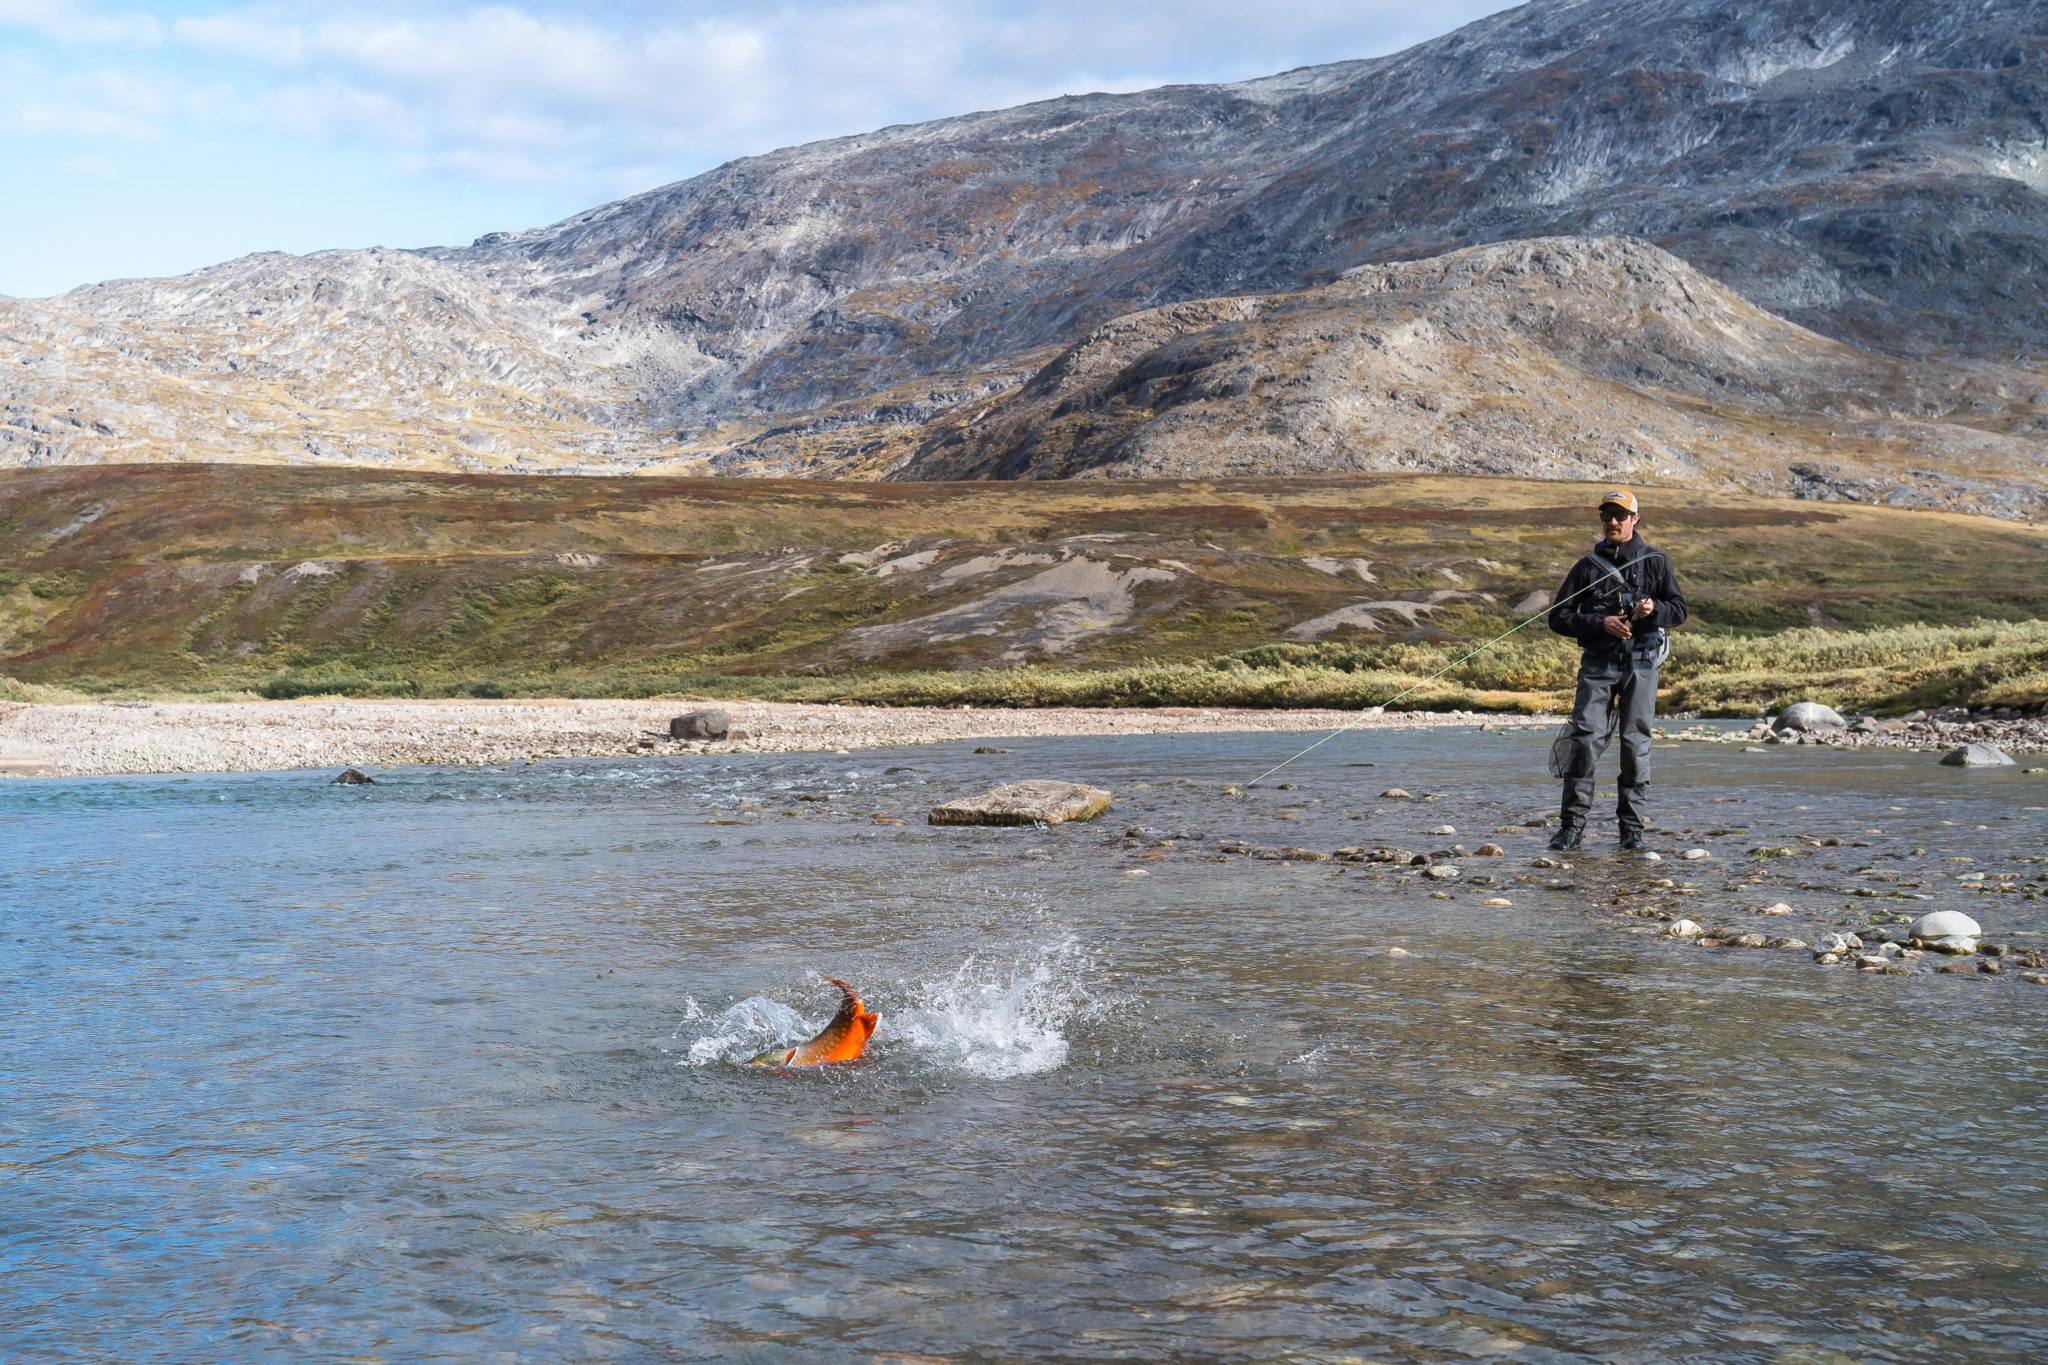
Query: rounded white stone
x,y
1945,924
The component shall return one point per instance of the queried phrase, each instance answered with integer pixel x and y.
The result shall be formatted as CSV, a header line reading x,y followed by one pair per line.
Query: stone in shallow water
x,y
1693,855
1395,794
1945,924
1976,756
353,777
1684,928
1024,803
1809,715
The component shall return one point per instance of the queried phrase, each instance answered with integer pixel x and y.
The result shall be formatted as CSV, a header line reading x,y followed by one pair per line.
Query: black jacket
x,y
1590,590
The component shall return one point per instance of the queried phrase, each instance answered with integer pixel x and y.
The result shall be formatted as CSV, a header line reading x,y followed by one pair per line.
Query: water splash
x,y
746,1030
985,1018
997,1021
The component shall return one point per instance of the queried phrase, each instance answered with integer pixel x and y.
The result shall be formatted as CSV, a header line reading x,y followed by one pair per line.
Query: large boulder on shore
x,y
1024,803
710,724
1976,756
1806,716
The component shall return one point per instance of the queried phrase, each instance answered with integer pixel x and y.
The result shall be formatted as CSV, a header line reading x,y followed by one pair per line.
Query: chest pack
x,y
1619,588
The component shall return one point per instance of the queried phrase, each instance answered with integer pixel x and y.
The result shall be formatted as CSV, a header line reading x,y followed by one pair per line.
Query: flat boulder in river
x,y
1025,803
1976,756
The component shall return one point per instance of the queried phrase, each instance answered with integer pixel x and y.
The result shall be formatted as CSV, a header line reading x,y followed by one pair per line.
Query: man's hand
x,y
1646,607
1618,628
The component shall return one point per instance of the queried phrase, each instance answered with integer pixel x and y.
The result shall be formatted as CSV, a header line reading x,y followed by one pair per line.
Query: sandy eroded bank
x,y
180,737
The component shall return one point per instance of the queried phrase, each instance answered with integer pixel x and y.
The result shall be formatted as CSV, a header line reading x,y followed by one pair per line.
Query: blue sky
x,y
148,139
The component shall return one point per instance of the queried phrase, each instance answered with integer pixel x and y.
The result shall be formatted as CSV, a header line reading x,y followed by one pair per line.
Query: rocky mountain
x,y
1871,174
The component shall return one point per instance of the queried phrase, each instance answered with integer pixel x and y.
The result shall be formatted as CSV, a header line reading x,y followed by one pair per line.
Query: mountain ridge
x,y
1873,174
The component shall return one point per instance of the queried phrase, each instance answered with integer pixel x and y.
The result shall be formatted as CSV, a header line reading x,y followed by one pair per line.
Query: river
x,y
444,1068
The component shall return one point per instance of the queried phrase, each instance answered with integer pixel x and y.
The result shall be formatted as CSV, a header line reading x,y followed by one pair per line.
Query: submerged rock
x,y
353,777
1976,756
1024,803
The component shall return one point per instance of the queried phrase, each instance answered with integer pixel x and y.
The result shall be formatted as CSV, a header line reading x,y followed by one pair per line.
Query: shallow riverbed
x,y
440,1068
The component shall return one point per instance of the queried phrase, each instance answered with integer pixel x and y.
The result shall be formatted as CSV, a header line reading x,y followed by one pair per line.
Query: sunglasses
x,y
1614,514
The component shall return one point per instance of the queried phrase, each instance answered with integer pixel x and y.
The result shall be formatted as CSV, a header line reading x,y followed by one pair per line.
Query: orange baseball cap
x,y
1621,497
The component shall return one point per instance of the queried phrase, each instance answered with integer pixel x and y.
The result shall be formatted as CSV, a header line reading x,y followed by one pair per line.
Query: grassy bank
x,y
226,581
1887,671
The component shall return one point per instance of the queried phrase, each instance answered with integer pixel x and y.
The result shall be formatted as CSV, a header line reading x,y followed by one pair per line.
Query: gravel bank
x,y
177,737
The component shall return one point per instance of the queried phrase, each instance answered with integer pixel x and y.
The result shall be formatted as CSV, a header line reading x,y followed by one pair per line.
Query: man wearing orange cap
x,y
1617,602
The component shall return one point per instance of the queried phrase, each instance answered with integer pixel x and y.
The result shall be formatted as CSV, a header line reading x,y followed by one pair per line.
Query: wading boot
x,y
1566,839
1631,840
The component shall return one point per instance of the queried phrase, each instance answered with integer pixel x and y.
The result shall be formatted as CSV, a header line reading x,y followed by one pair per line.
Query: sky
x,y
153,138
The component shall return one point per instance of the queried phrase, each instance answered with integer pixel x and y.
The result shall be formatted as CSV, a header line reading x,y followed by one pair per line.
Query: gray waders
x,y
1616,697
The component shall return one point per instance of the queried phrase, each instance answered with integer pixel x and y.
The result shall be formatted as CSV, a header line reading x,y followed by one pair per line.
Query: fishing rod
x,y
1608,570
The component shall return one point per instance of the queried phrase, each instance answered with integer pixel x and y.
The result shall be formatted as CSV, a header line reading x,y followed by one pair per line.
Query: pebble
x,y
1489,851
1954,945
1839,943
1693,855
1398,952
1502,901
1942,924
1137,872
1789,943
1395,794
1750,941
1440,872
1684,928
1779,909
1442,829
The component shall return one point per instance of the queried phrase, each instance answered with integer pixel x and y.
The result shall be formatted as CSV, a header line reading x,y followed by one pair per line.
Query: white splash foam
x,y
991,1025
748,1029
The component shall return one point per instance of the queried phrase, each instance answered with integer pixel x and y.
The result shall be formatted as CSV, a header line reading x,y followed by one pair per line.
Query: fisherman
x,y
1617,602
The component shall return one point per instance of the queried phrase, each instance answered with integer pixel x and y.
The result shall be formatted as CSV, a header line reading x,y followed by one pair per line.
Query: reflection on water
x,y
444,1067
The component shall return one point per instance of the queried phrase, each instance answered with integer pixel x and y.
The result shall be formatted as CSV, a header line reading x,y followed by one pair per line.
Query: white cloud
x,y
65,22
556,105
537,92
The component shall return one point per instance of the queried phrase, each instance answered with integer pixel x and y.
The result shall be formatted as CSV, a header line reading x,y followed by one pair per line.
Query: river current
x,y
444,1068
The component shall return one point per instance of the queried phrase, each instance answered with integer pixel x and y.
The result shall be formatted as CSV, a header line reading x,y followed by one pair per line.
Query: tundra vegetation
x,y
195,580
